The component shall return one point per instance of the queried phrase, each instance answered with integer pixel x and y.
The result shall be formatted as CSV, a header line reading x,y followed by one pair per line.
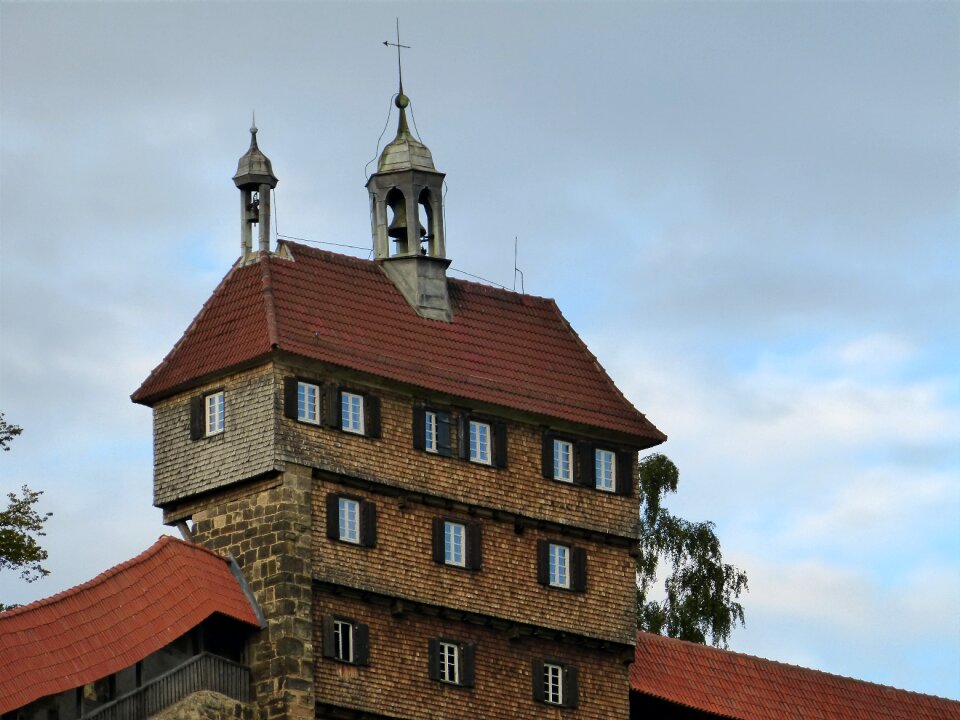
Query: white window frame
x,y
348,518
449,661
430,431
214,407
605,470
454,544
562,460
351,412
480,436
343,651
558,565
553,683
308,402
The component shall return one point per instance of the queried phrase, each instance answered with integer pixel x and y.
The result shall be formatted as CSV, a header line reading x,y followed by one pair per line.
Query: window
x,y
214,413
351,412
562,460
207,415
345,640
555,683
457,544
482,441
605,474
606,469
352,520
452,662
308,402
559,558
349,514
562,566
479,442
431,430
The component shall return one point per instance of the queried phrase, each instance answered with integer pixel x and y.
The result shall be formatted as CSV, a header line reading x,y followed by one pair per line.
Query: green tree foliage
x,y
701,591
21,525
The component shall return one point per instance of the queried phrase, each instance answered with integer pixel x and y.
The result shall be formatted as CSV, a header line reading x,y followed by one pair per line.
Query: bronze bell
x,y
398,228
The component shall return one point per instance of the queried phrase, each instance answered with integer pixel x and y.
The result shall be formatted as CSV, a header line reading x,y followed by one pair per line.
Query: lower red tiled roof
x,y
114,620
744,687
503,348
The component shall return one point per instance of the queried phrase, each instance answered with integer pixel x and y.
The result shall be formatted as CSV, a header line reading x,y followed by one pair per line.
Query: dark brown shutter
x,y
196,417
537,676
588,465
579,574
361,644
419,427
543,562
625,472
438,550
290,398
368,524
371,415
463,436
328,636
331,406
433,659
333,517
571,687
443,434
500,444
546,455
474,546
468,654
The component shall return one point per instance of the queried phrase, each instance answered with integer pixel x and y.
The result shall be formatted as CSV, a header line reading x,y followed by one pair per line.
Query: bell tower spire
x,y
255,180
406,216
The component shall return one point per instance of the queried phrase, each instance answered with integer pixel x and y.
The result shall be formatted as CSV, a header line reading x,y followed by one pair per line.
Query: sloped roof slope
x,y
114,620
744,687
502,348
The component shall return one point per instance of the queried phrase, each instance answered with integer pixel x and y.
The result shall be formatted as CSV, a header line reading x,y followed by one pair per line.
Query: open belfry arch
x,y
428,484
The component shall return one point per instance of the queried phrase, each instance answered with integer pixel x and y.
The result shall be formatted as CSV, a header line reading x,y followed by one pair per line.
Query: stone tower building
x,y
429,484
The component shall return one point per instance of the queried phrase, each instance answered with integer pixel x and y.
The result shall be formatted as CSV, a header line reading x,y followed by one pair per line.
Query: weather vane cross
x,y
397,45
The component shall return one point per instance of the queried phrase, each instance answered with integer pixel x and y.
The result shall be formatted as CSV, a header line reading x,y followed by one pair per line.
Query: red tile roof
x,y
502,348
733,685
114,620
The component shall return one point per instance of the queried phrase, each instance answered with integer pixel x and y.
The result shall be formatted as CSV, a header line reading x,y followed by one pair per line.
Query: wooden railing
x,y
201,672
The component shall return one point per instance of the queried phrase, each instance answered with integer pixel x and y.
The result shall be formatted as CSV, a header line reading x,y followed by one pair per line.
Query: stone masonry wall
x,y
396,683
184,467
519,488
506,586
206,705
268,532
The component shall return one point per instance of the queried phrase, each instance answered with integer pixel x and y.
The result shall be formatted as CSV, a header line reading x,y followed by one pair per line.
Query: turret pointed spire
x,y
255,179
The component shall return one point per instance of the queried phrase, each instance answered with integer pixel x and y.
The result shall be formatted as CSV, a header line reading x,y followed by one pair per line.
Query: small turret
x,y
406,209
255,179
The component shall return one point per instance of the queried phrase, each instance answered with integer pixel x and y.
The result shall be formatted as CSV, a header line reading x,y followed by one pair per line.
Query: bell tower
x,y
406,214
255,180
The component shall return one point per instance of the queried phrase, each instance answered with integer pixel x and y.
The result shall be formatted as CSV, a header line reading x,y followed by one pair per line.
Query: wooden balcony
x,y
201,672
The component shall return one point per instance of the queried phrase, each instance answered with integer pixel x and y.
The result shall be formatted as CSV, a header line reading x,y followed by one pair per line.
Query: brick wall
x,y
396,682
519,488
506,585
268,532
184,467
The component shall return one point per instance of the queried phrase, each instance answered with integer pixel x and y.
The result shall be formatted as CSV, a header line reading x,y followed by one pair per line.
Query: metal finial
x,y
253,122
397,45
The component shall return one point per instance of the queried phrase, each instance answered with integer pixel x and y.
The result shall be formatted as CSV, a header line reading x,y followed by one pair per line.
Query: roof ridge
x,y
162,542
724,651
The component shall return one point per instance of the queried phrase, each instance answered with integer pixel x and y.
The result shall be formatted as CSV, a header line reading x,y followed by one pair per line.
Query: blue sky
x,y
748,210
